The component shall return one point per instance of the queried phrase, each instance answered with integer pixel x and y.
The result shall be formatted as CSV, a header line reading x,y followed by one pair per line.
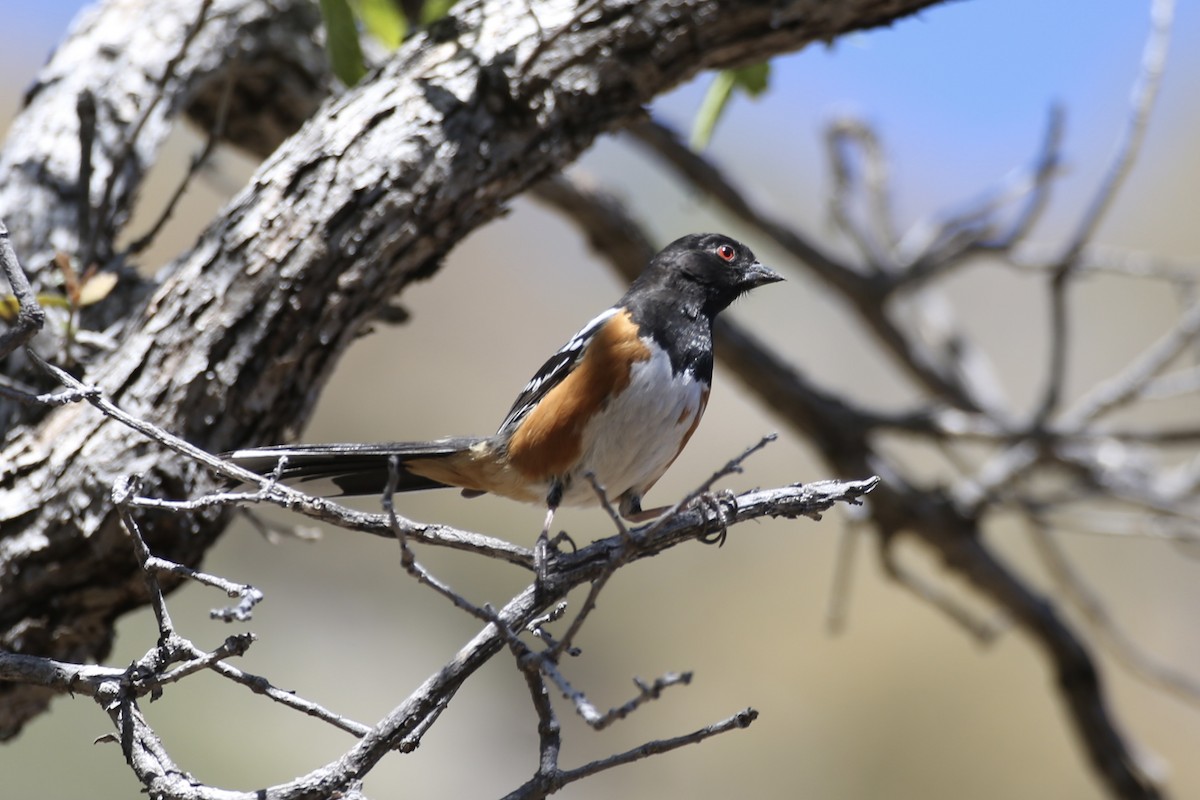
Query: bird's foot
x,y
714,503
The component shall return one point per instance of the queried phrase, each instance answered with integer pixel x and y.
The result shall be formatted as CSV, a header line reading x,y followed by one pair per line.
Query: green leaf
x,y
47,300
383,20
9,307
435,10
751,80
341,40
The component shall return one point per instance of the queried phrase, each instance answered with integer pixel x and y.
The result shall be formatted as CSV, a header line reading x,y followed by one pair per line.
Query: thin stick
x,y
1128,148
30,316
199,160
131,137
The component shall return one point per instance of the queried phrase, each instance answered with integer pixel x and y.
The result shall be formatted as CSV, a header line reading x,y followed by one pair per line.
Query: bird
x,y
616,404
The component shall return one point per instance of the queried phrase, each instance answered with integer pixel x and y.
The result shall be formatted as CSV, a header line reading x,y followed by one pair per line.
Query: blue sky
x,y
982,69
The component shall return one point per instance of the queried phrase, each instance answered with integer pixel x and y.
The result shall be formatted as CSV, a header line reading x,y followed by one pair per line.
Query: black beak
x,y
758,274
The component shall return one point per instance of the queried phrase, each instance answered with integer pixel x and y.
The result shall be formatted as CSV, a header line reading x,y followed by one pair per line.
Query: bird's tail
x,y
335,470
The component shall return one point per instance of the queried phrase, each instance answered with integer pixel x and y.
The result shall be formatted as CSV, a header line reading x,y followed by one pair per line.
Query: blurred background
x,y
902,704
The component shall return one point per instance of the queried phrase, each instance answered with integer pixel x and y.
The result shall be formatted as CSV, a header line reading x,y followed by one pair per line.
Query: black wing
x,y
557,367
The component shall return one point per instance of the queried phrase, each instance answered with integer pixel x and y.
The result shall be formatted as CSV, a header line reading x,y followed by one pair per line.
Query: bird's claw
x,y
714,503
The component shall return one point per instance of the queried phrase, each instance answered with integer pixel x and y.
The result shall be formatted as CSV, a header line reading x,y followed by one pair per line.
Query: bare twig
x,y
27,394
103,211
408,559
932,248
607,506
198,161
121,494
732,467
984,631
739,721
839,589
1039,181
1102,259
1128,147
599,721
260,685
1133,381
549,729
30,316
1088,601
85,110
248,597
874,237
1002,469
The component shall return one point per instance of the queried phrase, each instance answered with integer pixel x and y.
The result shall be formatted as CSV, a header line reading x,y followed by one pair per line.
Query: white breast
x,y
646,425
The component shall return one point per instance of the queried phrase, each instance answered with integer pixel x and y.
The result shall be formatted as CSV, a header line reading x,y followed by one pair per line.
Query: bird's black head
x,y
709,269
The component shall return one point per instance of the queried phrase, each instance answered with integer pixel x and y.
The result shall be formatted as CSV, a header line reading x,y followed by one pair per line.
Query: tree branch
x,y
29,316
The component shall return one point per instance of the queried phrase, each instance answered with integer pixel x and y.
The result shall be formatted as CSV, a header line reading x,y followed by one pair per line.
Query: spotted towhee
x,y
619,400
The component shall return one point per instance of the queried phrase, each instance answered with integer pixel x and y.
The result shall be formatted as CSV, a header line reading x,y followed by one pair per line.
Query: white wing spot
x,y
556,367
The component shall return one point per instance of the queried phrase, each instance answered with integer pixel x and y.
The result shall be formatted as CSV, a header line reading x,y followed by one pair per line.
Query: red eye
x,y
726,252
